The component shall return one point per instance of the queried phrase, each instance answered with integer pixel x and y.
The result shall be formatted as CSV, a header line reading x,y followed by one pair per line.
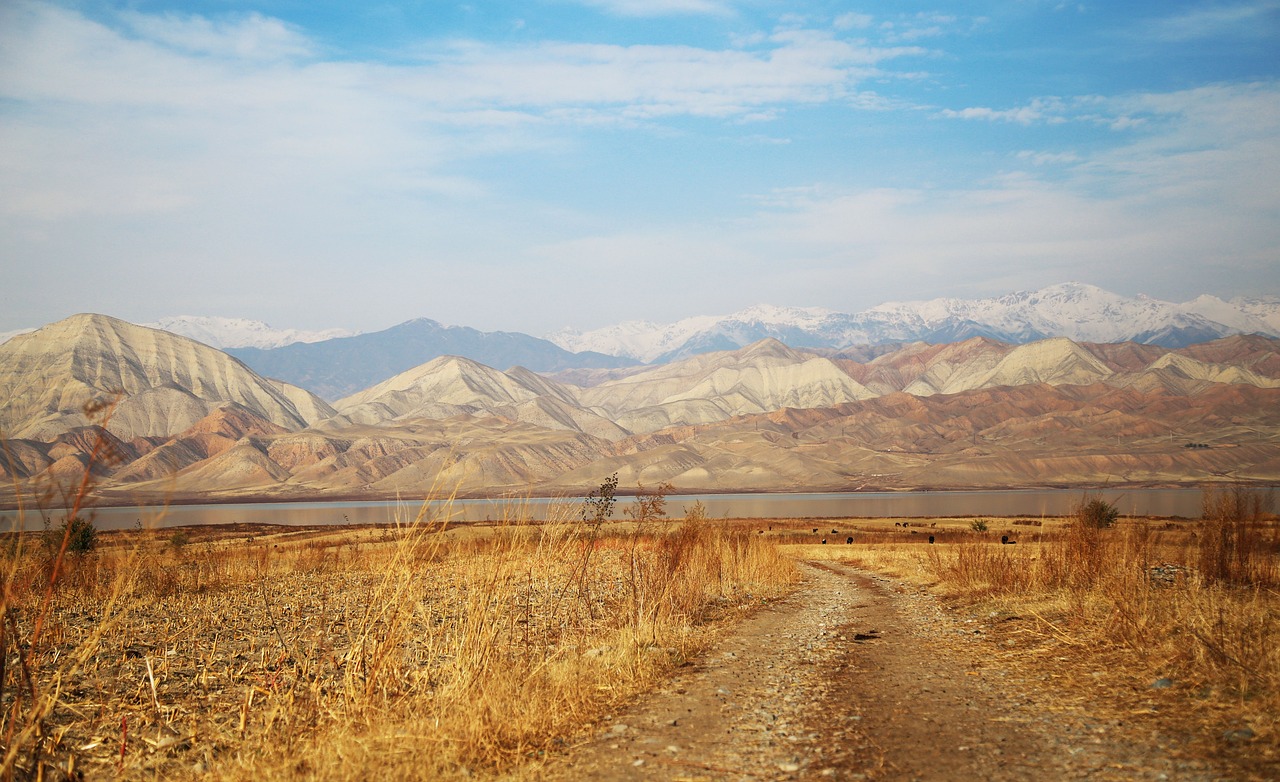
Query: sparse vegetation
x,y
311,654
1197,604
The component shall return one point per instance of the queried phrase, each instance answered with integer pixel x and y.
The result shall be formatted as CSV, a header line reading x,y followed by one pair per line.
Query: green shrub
x,y
79,532
1096,513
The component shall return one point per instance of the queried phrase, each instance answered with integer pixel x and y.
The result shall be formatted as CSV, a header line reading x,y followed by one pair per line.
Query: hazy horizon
x,y
531,166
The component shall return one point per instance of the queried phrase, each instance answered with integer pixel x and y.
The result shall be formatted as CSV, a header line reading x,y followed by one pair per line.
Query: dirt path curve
x,y
853,677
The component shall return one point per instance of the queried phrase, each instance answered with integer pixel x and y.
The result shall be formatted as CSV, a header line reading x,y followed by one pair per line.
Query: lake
x,y
1034,503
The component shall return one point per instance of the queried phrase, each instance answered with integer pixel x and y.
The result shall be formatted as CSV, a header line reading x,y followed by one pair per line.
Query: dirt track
x,y
853,677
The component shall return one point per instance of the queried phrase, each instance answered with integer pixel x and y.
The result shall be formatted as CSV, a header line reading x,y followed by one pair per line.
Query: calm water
x,y
1144,502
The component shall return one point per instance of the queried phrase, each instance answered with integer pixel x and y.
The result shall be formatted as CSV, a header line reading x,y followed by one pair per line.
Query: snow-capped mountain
x,y
239,332
1077,311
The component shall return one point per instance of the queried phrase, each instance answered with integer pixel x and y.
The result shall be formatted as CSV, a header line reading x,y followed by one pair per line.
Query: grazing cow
x,y
849,539
1004,541
824,541
815,529
896,524
835,532
931,539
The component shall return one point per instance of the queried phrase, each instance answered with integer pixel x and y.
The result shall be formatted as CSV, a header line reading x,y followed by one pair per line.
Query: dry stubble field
x,y
412,652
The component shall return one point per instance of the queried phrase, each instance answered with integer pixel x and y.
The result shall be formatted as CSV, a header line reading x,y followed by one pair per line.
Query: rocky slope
x,y
164,383
766,417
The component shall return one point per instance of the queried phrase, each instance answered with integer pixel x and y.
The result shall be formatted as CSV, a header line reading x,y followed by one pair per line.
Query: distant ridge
x,y
225,333
1080,312
336,368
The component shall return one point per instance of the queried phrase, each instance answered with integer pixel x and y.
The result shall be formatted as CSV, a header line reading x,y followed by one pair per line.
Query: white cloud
x,y
1046,110
164,115
1187,205
852,21
252,37
1241,20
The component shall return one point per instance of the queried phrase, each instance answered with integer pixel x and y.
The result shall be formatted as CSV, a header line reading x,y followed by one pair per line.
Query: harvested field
x,y
401,652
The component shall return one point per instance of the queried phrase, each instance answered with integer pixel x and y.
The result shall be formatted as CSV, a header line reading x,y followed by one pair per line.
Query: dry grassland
x,y
1110,617
406,652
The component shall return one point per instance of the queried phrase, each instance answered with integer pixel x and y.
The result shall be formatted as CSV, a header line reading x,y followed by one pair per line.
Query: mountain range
x,y
333,363
337,367
191,421
1080,312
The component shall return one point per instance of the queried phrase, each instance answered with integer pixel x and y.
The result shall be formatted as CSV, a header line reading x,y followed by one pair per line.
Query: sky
x,y
543,164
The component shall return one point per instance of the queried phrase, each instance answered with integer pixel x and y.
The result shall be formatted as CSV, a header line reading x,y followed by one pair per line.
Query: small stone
x,y
638,762
789,767
1161,684
672,748
1238,734
619,728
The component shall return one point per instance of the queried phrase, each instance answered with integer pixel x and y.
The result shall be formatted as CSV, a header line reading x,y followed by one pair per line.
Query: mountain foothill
x,y
184,420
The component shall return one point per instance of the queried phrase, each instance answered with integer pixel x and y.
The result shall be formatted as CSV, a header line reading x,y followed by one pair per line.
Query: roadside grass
x,y
1184,609
406,652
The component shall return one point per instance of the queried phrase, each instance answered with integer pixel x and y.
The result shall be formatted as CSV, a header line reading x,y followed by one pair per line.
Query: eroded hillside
x,y
191,421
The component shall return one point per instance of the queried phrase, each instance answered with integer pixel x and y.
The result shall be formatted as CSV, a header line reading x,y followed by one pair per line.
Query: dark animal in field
x,y
930,539
824,541
835,532
896,524
906,524
815,529
1004,540
849,539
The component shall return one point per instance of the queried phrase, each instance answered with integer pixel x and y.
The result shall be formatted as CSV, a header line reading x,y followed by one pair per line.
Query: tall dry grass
x,y
416,653
1200,605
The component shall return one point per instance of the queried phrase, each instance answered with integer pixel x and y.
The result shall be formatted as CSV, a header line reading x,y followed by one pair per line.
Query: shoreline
x,y
110,499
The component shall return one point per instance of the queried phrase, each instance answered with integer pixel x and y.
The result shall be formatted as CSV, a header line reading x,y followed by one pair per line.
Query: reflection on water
x,y
1138,502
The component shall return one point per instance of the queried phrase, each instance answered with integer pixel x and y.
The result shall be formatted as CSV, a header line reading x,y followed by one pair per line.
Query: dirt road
x,y
856,677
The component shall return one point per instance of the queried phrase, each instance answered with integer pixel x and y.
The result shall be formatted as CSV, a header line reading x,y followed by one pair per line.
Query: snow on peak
x,y
221,332
1076,310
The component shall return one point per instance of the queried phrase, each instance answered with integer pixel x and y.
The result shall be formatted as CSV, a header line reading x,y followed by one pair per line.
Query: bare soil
x,y
855,676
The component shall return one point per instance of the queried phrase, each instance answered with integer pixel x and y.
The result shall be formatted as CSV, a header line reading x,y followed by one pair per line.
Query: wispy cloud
x,y
1041,110
249,37
1241,20
1174,205
152,116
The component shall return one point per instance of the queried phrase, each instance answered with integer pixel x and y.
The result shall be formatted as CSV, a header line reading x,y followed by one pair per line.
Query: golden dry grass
x,y
405,653
1196,603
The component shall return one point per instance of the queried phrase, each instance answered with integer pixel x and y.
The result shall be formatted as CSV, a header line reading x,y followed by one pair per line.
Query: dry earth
x,y
858,677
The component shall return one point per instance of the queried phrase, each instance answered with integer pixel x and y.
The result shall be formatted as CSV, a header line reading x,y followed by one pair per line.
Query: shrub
x,y
1085,556
79,533
1230,546
978,525
651,504
1096,513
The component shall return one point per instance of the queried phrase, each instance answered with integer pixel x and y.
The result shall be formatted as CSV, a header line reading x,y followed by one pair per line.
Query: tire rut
x,y
854,677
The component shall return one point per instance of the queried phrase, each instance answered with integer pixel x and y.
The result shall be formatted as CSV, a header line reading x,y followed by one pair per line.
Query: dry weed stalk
x,y
415,653
1199,604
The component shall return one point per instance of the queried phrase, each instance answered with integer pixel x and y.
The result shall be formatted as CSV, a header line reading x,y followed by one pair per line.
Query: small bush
x,y
79,533
1096,513
978,525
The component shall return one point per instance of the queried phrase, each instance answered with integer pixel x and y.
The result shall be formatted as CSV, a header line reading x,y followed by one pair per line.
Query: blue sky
x,y
548,163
